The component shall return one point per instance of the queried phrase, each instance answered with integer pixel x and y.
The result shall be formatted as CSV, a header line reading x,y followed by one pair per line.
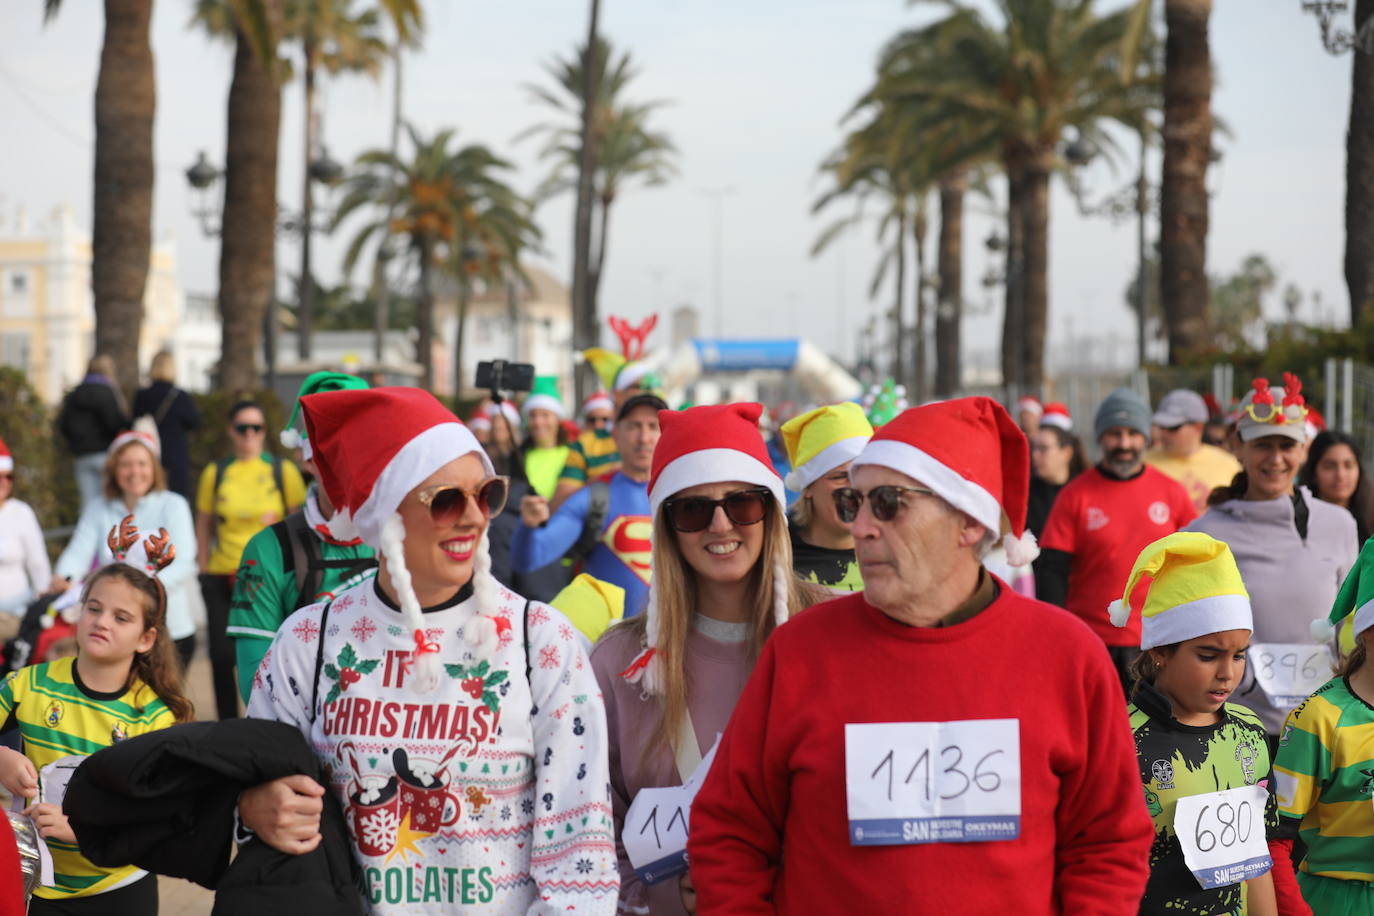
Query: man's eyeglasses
x,y
447,503
884,502
244,429
694,513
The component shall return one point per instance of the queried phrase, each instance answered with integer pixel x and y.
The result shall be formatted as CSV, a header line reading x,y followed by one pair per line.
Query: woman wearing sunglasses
x,y
236,498
722,580
452,715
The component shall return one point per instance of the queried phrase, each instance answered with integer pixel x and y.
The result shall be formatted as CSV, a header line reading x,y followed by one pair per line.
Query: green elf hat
x,y
544,396
1195,590
314,383
1356,594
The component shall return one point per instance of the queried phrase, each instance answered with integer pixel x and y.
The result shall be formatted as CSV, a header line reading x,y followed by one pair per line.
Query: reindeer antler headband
x,y
150,555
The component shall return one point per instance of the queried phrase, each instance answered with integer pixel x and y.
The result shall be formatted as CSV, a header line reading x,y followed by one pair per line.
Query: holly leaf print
x,y
367,665
347,657
331,672
333,694
490,700
497,677
482,668
458,672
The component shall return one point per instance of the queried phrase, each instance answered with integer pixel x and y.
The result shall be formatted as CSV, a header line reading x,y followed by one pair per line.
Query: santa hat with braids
x,y
372,447
706,445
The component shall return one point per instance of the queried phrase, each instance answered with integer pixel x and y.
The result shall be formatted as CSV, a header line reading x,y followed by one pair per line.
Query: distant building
x,y
47,318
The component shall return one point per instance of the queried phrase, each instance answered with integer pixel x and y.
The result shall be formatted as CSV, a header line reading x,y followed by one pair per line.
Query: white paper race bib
x,y
933,782
1222,835
656,826
1290,672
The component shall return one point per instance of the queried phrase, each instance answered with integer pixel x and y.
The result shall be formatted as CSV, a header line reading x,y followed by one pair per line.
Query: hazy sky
x,y
757,91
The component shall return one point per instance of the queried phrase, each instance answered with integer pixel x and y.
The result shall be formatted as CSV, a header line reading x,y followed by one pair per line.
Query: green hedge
x,y
43,475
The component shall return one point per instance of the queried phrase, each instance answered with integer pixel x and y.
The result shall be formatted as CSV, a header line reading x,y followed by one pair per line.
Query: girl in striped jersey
x,y
124,681
1324,771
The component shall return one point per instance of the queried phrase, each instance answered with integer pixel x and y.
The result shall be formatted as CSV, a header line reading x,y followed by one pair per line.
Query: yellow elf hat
x,y
1196,590
821,440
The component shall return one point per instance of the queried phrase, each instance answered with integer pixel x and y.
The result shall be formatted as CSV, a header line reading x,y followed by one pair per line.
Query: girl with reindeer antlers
x,y
460,725
124,681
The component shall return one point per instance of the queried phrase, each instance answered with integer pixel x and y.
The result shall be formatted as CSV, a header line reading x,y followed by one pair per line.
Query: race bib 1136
x,y
933,782
1222,835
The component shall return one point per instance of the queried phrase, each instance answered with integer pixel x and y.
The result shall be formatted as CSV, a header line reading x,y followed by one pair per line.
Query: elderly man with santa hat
x,y
935,743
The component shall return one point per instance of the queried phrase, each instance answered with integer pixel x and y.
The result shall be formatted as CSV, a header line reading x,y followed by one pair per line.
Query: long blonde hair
x,y
675,590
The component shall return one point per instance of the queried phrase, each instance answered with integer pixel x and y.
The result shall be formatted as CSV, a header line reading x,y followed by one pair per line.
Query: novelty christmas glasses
x,y
447,503
885,502
694,513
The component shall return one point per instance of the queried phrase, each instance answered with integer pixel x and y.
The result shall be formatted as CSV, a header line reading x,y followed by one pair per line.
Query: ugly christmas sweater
x,y
771,830
489,794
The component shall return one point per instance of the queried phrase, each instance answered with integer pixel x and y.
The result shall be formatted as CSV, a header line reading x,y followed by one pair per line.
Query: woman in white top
x,y
135,484
24,567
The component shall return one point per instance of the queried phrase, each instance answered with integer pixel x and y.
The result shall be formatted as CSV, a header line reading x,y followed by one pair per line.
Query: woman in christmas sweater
x,y
1324,770
722,580
1195,629
460,725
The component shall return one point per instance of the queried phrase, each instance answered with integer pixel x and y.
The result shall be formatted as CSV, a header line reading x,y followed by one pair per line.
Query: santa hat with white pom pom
x,y
972,454
1195,589
372,447
1356,594
708,444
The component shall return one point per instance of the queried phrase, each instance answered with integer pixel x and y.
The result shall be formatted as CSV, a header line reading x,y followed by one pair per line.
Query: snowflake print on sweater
x,y
468,799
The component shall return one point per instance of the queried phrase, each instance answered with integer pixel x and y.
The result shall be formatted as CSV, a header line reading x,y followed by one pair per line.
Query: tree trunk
x,y
585,326
1035,291
898,322
598,261
380,289
464,298
1013,323
1359,180
122,214
949,310
425,344
919,228
305,310
1183,201
247,259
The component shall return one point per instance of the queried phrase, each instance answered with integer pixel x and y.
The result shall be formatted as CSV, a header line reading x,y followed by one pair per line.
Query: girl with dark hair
x,y
1056,458
124,681
1334,472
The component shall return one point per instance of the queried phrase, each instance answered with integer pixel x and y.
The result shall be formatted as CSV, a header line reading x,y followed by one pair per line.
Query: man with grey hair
x,y
937,742
1180,451
1101,521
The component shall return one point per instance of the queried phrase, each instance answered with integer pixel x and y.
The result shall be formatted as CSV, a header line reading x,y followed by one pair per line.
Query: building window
x,y
14,351
19,283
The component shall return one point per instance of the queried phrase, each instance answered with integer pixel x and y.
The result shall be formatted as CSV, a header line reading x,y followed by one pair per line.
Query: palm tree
x,y
448,205
626,150
950,297
1183,214
1359,178
1015,89
586,327
122,210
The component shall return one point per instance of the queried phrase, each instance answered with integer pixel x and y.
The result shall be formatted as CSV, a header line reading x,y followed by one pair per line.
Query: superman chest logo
x,y
628,538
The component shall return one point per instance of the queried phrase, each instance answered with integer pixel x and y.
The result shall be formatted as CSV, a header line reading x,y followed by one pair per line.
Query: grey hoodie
x,y
1291,581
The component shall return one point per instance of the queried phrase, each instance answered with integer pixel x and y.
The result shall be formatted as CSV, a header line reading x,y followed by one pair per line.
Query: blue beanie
x,y
1123,407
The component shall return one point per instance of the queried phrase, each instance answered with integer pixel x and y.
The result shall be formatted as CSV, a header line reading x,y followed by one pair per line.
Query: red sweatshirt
x,y
770,830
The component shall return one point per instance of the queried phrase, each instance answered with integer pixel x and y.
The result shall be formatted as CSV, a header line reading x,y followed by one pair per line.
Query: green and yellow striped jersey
x,y
591,457
59,717
1323,777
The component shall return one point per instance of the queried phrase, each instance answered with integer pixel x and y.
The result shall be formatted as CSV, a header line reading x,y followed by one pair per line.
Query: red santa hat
x,y
709,444
1030,402
372,447
973,455
1057,415
480,419
6,459
598,400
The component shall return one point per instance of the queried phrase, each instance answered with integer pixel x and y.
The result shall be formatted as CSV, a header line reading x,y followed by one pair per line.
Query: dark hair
x,y
1354,661
244,405
1233,490
1143,669
157,668
1362,500
1078,461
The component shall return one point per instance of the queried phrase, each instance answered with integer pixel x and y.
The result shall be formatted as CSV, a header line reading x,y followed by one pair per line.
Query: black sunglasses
x,y
694,513
448,503
885,502
599,421
244,429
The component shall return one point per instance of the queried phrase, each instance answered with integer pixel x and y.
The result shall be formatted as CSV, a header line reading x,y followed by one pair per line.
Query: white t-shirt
x,y
24,567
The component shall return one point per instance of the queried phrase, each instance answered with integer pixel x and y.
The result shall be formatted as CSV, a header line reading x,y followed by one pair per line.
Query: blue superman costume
x,y
621,554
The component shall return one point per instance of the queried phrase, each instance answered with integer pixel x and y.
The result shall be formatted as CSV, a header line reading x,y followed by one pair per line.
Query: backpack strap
x,y
598,507
277,479
319,665
220,467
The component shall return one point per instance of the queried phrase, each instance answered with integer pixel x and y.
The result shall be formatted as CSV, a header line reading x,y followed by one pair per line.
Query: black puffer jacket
x,y
91,417
165,802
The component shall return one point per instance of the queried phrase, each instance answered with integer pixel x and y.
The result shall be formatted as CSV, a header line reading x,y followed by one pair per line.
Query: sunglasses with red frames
x,y
885,502
694,513
448,503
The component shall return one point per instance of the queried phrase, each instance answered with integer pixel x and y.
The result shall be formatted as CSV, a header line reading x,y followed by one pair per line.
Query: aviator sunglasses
x,y
244,429
447,503
885,502
694,513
